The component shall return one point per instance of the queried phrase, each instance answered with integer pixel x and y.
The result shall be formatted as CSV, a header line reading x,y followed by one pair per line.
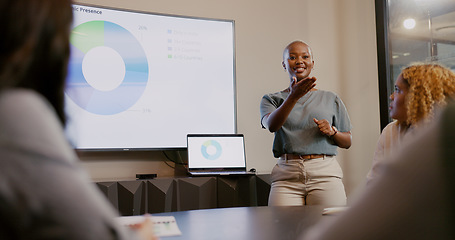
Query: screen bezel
x,y
177,148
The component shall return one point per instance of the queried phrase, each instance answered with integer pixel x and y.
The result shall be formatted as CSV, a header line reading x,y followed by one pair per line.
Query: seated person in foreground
x,y
412,197
44,193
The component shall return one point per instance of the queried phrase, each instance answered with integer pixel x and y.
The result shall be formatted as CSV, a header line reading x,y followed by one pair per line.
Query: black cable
x,y
173,167
172,160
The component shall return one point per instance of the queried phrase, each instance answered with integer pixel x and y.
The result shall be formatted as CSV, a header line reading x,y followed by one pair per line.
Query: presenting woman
x,y
309,125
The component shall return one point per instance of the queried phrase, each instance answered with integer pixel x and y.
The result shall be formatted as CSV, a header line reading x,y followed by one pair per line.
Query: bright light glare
x,y
409,23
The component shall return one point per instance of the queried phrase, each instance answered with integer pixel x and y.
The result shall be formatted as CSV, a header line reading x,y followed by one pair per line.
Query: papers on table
x,y
333,210
164,225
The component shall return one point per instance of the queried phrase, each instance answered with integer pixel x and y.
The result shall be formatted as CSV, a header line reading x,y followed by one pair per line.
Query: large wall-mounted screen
x,y
140,80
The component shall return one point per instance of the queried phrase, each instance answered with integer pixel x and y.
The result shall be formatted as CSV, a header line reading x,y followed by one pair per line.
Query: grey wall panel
x,y
110,190
161,195
263,184
131,198
136,197
196,193
236,191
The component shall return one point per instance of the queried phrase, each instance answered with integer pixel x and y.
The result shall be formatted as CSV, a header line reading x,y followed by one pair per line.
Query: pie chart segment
x,y
88,38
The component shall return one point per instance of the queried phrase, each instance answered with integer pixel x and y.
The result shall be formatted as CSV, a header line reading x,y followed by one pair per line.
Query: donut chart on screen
x,y
89,36
208,147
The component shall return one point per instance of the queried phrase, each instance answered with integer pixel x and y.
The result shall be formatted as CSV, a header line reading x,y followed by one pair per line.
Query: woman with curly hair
x,y
419,89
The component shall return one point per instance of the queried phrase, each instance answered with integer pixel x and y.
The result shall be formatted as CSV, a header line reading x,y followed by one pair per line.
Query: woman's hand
x,y
145,229
341,139
297,89
301,87
325,127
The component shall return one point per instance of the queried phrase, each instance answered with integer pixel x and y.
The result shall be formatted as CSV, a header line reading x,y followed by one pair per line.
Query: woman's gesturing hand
x,y
325,127
301,87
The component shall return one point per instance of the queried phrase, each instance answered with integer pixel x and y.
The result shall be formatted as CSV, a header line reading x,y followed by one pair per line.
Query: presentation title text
x,y
87,10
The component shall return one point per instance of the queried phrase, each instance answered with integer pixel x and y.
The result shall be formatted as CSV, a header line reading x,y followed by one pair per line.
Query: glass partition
x,y
411,31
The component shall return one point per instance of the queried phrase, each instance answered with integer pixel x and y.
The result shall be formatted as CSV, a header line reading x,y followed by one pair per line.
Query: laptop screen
x,y
216,151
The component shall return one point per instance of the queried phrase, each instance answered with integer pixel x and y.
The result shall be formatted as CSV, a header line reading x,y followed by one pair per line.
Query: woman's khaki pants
x,y
297,182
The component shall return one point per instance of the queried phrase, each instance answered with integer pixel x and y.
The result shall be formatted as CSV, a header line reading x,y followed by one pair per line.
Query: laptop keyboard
x,y
219,173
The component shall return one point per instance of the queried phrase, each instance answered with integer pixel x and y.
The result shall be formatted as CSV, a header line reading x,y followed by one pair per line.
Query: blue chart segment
x,y
206,148
90,35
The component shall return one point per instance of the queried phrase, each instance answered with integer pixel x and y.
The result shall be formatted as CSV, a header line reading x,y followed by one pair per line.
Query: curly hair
x,y
430,85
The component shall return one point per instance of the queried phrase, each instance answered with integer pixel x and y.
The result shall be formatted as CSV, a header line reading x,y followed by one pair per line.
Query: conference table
x,y
249,223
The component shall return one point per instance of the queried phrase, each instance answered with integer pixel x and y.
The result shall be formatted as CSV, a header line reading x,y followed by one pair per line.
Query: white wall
x,y
342,36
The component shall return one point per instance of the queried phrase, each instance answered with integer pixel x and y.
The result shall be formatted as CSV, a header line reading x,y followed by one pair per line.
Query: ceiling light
x,y
409,23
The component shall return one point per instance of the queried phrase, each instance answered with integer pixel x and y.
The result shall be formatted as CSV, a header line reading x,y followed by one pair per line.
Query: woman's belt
x,y
288,156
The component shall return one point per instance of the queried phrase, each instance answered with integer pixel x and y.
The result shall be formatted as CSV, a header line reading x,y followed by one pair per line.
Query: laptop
x,y
216,154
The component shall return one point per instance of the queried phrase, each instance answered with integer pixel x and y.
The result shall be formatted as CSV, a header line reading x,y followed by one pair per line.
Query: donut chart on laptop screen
x,y
211,149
